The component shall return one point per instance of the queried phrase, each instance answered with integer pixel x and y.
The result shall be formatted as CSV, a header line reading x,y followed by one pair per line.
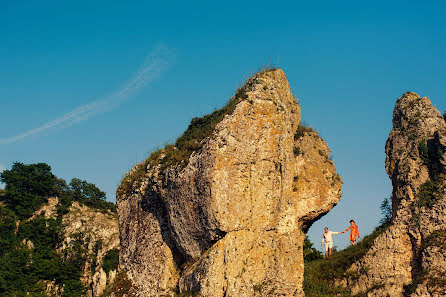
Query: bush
x,y
310,253
302,129
321,274
297,151
428,193
111,260
423,151
436,238
23,269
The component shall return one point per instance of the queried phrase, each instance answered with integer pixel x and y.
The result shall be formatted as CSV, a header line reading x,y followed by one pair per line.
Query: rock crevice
x,y
402,260
225,214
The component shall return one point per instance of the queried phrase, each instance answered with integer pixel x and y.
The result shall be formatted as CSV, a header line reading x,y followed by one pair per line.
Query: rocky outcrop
x,y
99,233
409,258
228,217
88,234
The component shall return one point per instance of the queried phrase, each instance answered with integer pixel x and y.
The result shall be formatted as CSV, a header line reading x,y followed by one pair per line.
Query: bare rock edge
x,y
231,220
409,258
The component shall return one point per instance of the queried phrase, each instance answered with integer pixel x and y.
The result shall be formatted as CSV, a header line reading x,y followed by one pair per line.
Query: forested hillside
x,y
45,245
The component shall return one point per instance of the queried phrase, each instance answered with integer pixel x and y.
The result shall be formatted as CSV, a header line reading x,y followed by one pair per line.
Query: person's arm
x,y
322,242
338,232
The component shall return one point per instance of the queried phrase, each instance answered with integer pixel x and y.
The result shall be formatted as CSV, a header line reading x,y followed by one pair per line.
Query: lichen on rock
x,y
223,211
401,261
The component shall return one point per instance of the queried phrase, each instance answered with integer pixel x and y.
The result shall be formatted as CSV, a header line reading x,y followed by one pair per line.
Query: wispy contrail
x,y
155,63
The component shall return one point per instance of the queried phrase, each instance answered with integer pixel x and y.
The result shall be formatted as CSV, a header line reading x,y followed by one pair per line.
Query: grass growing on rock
x,y
121,287
192,140
321,274
302,129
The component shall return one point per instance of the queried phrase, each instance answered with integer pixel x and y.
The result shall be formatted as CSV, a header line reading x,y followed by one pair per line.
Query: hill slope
x,y
56,239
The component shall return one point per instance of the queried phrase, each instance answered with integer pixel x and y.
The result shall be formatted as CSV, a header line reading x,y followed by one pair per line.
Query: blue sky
x,y
347,62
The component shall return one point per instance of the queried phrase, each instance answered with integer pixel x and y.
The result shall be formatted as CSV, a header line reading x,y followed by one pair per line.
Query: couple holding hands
x,y
328,239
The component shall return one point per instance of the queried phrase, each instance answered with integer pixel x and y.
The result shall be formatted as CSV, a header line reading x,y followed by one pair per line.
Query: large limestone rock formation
x,y
225,214
409,258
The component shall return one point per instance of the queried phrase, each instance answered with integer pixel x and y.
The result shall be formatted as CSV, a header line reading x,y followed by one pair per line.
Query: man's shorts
x,y
328,245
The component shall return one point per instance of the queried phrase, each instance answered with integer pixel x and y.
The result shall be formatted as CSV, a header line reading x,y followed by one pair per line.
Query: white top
x,y
328,236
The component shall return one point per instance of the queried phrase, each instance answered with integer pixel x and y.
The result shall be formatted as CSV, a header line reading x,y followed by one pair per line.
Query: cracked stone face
x,y
232,221
405,253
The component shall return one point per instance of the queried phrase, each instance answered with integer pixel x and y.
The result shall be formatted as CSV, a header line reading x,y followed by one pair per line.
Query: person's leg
x,y
326,250
352,242
329,252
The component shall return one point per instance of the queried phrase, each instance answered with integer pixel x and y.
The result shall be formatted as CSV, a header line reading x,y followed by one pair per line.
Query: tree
x,y
27,187
310,253
90,195
386,211
83,190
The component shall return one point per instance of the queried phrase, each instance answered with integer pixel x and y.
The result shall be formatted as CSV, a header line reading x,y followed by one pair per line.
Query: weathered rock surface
x,y
230,221
97,233
409,258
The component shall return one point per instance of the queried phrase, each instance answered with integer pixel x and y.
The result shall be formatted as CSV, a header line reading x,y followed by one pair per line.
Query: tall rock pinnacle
x,y
223,211
408,258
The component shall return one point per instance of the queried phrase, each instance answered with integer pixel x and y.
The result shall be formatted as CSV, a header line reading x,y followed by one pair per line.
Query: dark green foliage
x,y
28,247
83,190
90,195
7,228
310,253
386,211
27,187
111,260
198,130
423,151
320,275
302,129
436,238
428,193
297,151
431,152
23,269
427,196
94,257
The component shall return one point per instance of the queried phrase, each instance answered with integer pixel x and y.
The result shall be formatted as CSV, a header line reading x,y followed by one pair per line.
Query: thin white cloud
x,y
154,65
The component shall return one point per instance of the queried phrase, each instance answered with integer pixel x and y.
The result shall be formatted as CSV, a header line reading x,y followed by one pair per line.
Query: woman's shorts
x,y
328,245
